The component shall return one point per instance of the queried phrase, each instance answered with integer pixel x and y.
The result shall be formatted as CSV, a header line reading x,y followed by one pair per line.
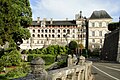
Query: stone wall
x,y
110,47
82,71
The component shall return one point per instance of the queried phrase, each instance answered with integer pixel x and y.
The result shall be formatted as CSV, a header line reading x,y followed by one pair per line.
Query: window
x,y
64,31
100,33
96,24
104,24
42,31
64,35
37,42
93,40
45,35
100,40
58,31
78,36
33,31
53,36
38,31
49,31
100,24
93,33
42,42
27,41
49,35
33,35
42,35
73,31
46,30
93,24
38,35
58,36
68,31
53,31
73,36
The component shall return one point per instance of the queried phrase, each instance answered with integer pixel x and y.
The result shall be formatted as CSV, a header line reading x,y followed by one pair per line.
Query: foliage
x,y
15,15
1,68
113,26
52,49
11,58
73,45
1,52
95,53
49,59
16,73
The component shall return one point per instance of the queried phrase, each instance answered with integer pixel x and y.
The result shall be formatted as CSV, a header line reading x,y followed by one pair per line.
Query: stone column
x,y
37,67
82,60
74,62
69,61
37,71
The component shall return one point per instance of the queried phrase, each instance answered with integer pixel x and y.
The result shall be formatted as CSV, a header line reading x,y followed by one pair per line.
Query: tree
x,y
73,45
11,58
15,16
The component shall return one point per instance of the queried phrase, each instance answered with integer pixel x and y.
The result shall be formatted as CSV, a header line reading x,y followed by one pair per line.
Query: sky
x,y
62,9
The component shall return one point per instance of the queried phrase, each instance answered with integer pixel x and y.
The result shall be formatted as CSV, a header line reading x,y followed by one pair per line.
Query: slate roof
x,y
72,22
35,23
100,15
69,22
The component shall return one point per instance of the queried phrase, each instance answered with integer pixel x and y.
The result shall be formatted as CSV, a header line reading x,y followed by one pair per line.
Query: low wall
x,y
82,71
76,72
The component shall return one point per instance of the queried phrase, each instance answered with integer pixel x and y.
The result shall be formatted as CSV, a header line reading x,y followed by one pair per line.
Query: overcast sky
x,y
61,9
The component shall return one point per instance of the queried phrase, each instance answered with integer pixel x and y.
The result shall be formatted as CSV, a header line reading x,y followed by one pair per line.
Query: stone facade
x,y
47,32
98,23
111,47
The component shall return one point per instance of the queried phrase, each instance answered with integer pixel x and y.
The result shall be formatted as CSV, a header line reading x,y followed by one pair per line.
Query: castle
x,y
49,32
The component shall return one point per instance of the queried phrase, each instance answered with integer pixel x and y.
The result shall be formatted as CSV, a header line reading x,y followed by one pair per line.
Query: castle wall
x,y
110,48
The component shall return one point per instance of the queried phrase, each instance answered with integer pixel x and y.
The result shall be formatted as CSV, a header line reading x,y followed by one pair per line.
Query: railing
x,y
81,71
76,72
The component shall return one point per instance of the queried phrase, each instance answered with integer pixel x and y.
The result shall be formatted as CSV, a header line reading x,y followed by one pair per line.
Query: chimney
x,y
76,16
44,19
80,14
38,19
51,21
66,19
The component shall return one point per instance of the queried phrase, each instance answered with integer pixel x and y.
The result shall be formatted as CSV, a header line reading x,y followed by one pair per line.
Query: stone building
x,y
98,23
111,47
47,32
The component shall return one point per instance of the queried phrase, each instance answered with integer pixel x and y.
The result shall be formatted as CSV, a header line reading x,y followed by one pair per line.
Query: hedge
x,y
49,59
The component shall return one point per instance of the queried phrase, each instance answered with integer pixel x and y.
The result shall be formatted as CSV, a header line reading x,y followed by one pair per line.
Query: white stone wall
x,y
48,39
97,31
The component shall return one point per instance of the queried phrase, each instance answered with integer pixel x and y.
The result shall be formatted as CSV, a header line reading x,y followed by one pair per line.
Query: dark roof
x,y
68,22
72,22
100,15
35,23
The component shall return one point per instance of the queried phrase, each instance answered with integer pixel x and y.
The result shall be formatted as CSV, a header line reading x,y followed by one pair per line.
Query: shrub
x,y
1,68
18,72
15,73
12,58
49,59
